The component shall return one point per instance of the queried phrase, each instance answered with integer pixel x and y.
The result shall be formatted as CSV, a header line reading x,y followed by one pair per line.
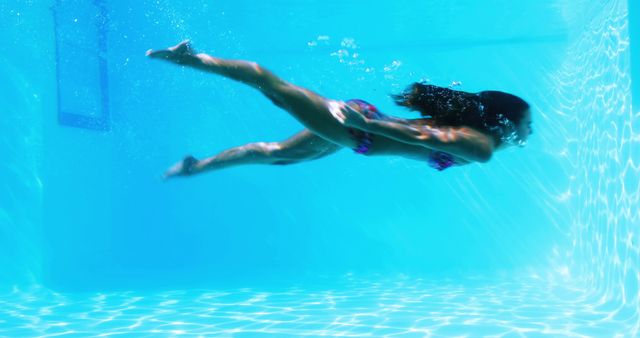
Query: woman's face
x,y
517,135
524,128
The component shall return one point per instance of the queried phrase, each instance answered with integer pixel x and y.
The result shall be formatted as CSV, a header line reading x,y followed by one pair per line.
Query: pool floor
x,y
400,307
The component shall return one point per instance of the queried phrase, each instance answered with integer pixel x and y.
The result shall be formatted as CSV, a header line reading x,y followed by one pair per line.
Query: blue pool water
x,y
539,241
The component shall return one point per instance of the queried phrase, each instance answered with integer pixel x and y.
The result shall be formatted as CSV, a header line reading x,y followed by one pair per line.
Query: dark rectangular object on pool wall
x,y
634,36
81,63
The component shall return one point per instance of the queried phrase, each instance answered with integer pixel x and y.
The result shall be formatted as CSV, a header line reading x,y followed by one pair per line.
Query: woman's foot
x,y
183,168
180,53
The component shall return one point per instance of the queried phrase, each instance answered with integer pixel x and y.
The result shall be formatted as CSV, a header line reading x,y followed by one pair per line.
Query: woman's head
x,y
504,116
508,112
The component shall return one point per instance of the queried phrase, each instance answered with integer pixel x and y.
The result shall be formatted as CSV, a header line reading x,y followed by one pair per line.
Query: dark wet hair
x,y
493,112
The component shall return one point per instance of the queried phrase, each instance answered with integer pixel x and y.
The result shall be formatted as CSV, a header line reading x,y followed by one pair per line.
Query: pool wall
x,y
602,158
26,75
342,214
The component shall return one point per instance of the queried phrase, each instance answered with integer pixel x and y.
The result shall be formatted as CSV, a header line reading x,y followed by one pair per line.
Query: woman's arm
x,y
464,142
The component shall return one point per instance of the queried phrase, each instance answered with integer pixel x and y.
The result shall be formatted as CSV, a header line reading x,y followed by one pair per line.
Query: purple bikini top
x,y
440,160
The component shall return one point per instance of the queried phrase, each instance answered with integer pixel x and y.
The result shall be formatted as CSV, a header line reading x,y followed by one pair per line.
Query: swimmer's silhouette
x,y
456,127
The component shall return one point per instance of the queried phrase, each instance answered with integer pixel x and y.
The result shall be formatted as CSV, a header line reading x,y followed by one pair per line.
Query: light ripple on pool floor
x,y
353,308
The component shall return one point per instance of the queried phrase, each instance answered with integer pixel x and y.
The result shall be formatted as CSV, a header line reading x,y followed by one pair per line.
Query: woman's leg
x,y
309,108
303,146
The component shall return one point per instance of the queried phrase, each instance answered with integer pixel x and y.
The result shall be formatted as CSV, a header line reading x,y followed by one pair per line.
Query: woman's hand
x,y
349,116
183,168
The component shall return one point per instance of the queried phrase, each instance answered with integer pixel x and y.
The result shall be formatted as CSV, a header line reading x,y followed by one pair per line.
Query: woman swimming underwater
x,y
456,127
